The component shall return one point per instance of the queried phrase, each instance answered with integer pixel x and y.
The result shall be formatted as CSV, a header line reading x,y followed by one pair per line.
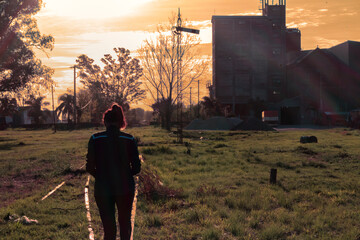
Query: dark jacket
x,y
113,159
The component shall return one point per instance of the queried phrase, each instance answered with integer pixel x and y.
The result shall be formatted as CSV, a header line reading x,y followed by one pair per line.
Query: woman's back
x,y
116,161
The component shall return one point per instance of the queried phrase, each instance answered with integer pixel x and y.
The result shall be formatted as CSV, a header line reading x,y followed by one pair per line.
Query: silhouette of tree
x,y
212,107
19,35
159,59
66,107
8,106
256,107
164,109
35,111
83,101
118,81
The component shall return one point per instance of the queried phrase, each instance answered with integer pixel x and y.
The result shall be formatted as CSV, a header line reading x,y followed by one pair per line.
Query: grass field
x,y
220,181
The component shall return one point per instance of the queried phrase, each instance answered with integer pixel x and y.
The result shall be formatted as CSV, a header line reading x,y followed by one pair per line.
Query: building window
x,y
276,35
243,64
276,92
276,81
276,51
225,22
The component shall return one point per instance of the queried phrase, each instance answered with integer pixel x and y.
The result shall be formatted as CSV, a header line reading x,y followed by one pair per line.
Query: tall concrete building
x,y
258,64
250,55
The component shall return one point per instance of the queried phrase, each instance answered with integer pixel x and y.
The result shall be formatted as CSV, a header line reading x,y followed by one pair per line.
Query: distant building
x,y
256,58
249,56
322,82
22,116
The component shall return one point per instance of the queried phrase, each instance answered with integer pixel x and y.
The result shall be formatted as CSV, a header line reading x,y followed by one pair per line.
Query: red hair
x,y
115,114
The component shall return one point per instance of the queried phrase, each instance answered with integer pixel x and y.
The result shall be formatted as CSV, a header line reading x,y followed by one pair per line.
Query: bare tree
x,y
159,58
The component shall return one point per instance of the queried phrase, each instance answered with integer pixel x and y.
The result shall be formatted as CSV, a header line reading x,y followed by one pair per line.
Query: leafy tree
x,y
163,108
84,102
19,35
256,106
212,107
66,107
8,106
35,111
118,81
159,58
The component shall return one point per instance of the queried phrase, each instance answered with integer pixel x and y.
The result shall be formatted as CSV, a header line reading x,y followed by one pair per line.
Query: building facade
x,y
250,54
258,59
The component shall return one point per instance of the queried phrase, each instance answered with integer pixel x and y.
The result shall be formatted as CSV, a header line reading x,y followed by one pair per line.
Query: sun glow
x,y
94,9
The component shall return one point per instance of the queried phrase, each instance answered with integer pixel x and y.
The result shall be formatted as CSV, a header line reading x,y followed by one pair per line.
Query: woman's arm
x,y
90,158
135,160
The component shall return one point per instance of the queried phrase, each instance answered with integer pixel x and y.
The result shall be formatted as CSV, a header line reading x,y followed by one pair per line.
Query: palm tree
x,y
66,107
35,111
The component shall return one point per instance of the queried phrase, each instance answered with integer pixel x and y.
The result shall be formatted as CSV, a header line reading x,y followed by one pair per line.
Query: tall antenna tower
x,y
178,29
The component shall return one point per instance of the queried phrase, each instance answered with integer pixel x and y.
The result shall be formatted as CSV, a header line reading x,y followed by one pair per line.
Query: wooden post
x,y
273,173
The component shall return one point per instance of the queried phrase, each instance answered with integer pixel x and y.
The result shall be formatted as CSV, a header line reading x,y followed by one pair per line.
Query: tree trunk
x,y
168,113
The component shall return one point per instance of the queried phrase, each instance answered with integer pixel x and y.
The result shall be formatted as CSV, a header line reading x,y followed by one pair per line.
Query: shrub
x,y
211,234
153,189
158,150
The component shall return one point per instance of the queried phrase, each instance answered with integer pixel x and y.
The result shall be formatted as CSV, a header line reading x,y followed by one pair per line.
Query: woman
x,y
113,159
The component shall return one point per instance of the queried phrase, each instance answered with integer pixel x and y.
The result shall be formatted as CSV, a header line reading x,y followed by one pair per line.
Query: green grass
x,y
222,179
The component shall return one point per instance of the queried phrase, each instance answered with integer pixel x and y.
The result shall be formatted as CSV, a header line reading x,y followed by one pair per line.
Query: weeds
x,y
342,155
305,150
272,232
204,190
220,191
157,150
153,221
220,145
152,188
284,165
313,163
211,234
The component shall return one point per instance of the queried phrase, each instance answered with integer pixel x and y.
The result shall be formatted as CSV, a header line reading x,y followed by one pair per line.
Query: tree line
x,y
152,76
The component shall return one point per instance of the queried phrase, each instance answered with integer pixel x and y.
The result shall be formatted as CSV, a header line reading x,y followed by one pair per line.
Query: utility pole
x,y
52,98
177,30
198,113
179,81
190,102
74,94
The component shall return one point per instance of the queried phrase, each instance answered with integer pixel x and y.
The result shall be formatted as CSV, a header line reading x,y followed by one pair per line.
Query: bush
x,y
158,150
153,189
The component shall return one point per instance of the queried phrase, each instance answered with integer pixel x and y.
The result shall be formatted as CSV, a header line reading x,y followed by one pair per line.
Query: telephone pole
x,y
52,98
190,103
74,93
198,99
178,30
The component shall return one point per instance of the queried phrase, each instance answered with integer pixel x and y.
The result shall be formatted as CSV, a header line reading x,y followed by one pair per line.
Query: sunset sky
x,y
95,27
